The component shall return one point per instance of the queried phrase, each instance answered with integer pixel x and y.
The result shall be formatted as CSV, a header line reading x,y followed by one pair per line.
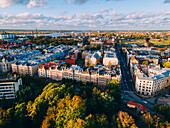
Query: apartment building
x,y
153,82
98,76
9,86
5,65
92,59
29,68
110,58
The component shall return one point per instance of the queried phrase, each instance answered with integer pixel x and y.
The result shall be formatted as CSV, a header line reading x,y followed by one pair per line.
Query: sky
x,y
85,14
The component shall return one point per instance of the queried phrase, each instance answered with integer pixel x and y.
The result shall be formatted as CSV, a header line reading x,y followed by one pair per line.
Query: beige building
x,y
9,86
78,74
110,58
92,59
29,68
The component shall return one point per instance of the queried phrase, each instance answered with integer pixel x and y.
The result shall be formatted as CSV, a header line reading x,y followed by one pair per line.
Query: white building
x,y
9,86
5,65
5,35
110,58
157,80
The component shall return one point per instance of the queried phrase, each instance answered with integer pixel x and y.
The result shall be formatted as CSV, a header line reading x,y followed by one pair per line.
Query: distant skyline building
x,y
5,36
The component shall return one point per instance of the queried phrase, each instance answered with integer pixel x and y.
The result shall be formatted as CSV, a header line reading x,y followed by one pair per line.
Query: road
x,y
127,84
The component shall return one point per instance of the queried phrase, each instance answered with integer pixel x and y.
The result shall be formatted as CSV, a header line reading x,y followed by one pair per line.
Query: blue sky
x,y
85,14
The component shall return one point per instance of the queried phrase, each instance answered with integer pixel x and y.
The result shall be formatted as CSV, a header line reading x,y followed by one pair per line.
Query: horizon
x,y
1,30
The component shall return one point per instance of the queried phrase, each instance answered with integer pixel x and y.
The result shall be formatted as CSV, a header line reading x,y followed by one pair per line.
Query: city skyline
x,y
85,14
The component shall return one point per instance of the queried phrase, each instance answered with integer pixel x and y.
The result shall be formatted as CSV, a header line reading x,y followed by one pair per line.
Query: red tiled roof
x,y
142,107
41,66
131,103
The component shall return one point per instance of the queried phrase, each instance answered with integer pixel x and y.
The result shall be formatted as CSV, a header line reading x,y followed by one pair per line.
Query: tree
x,y
70,111
110,64
20,113
162,111
101,121
125,121
4,118
24,94
86,92
145,63
158,123
90,121
49,121
88,63
167,65
79,55
147,120
49,97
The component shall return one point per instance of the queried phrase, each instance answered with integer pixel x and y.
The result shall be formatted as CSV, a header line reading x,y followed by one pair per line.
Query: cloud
x,y
28,3
84,1
68,1
164,12
167,1
113,20
87,16
113,14
140,15
7,3
83,16
36,3
76,1
105,10
118,18
97,16
63,18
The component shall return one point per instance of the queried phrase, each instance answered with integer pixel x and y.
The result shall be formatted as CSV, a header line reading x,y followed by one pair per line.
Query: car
x,y
145,102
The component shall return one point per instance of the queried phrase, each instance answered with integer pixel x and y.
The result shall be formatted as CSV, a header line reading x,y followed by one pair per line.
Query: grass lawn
x,y
160,43
140,41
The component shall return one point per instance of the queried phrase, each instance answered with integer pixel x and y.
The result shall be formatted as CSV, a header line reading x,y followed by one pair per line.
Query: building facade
x,y
5,65
77,74
110,58
153,82
9,86
29,68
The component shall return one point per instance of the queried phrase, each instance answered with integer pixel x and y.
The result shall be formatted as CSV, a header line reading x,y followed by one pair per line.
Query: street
x,y
127,85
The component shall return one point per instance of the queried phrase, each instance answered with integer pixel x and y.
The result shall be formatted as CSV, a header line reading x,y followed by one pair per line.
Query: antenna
x,y
36,32
32,33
